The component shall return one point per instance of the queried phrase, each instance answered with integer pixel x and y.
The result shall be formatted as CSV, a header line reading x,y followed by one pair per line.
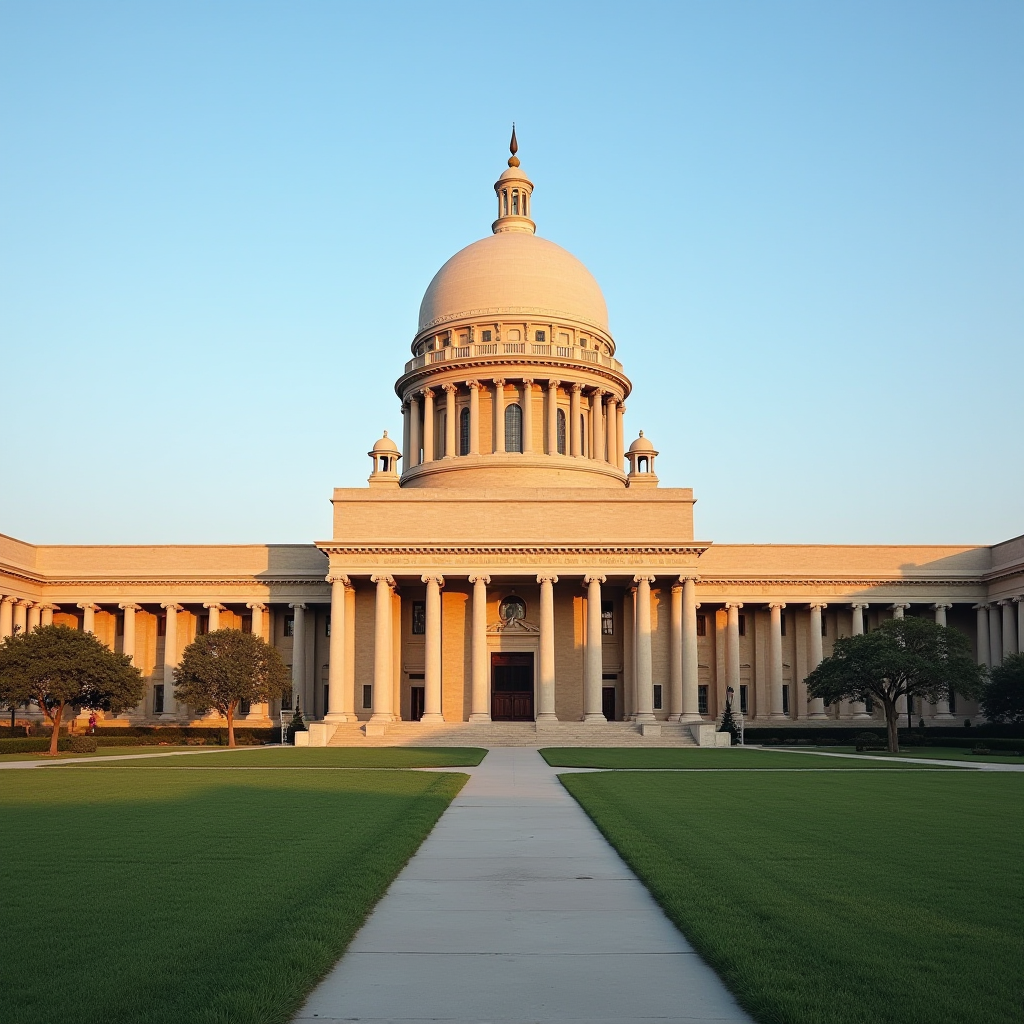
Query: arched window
x,y
442,435
504,202
513,428
464,432
515,202
560,428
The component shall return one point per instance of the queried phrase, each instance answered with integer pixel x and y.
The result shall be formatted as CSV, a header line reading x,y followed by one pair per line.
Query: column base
x,y
432,718
779,716
381,718
644,716
595,717
947,717
479,717
817,715
547,716
340,717
687,717
860,715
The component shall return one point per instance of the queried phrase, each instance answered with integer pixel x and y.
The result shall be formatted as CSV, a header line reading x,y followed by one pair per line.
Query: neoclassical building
x,y
513,560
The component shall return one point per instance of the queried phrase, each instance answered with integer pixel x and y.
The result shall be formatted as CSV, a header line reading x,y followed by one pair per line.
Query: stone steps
x,y
511,734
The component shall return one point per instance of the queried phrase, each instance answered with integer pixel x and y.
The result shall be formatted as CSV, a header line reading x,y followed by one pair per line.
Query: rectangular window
x,y
119,627
327,626
702,700
782,619
202,625
952,702
161,624
540,336
367,696
657,696
485,335
702,625
785,698
607,618
743,624
743,698
419,618
246,623
244,707
289,625
824,626
869,705
158,699
609,676
286,700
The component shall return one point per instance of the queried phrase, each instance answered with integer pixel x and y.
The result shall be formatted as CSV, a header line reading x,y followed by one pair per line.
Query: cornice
x,y
513,313
377,550
837,581
167,581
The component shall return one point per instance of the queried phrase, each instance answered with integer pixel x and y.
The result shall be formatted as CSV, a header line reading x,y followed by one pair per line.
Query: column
x,y
407,430
1009,629
552,423
858,709
546,702
575,441
214,609
7,616
450,422
499,414
941,706
299,654
257,608
611,424
432,651
816,708
898,610
596,425
340,694
21,615
47,617
88,617
775,659
428,425
732,650
675,654
594,666
128,641
170,656
474,416
383,677
33,617
480,699
415,432
620,443
995,636
690,606
984,654
644,663
527,416
1019,601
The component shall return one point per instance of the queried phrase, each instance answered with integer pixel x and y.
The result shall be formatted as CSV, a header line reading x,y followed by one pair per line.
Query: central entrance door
x,y
512,687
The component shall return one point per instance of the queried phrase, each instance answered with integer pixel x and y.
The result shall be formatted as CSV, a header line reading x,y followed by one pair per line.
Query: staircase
x,y
513,734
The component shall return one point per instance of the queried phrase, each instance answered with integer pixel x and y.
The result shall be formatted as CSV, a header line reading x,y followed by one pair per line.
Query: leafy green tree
x,y
221,669
910,657
60,668
1003,697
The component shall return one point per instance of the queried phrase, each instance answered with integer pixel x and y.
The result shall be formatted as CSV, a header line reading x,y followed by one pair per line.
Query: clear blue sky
x,y
218,219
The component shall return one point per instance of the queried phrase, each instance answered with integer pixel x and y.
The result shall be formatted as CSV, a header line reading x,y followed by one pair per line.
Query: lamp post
x,y
729,694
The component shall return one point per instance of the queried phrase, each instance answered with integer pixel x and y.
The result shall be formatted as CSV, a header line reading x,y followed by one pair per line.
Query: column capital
x,y
128,606
820,605
338,577
84,605
597,392
546,577
733,604
432,577
480,577
300,605
640,578
575,388
688,576
449,388
594,577
170,606
622,405
859,604
1017,600
256,606
981,607
939,605
554,383
384,578
777,604
498,382
527,382
1006,600
473,385
427,392
213,604
902,605
8,599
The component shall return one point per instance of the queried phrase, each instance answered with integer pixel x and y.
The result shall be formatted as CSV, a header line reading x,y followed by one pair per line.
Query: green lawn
x,y
198,897
939,753
102,752
322,757
835,897
689,757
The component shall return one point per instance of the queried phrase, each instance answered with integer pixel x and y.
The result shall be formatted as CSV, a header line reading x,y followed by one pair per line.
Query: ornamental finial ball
x,y
513,148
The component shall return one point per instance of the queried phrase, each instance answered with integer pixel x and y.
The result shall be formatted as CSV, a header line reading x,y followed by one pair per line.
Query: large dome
x,y
513,272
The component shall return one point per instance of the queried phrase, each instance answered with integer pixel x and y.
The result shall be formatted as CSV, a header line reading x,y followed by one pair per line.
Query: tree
x,y
58,667
221,669
1003,697
908,657
729,720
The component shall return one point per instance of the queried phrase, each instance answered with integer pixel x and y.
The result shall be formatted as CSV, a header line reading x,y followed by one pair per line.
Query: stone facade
x,y
522,562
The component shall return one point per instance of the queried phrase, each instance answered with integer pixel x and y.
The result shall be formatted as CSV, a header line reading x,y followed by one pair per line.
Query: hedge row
x,y
840,734
143,735
32,745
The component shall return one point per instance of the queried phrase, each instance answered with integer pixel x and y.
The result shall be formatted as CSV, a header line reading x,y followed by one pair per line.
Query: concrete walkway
x,y
516,909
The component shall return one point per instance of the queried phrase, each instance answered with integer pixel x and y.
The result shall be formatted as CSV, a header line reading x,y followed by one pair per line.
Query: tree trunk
x,y
55,735
231,725
892,723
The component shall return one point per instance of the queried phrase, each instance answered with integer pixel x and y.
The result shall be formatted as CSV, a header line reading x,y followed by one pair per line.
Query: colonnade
x,y
601,439
1000,630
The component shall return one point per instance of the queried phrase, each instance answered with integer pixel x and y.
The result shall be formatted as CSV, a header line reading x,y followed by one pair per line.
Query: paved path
x,y
516,909
984,766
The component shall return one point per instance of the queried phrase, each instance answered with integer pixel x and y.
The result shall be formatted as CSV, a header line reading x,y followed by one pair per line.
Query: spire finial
x,y
513,148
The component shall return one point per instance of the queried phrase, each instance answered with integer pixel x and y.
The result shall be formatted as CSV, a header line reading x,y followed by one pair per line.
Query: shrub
x,y
78,745
980,750
23,745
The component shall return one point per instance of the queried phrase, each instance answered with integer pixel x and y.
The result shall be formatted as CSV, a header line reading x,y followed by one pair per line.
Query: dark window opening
x,y
782,622
202,625
613,676
702,700
785,698
743,625
327,626
464,432
158,699
246,623
485,335
702,625
367,695
607,618
657,696
952,702
824,626
289,625
560,431
161,624
419,618
743,698
286,700
869,705
540,336
513,428
244,707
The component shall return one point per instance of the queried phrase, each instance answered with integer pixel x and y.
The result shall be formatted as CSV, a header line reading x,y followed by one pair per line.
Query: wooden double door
x,y
512,687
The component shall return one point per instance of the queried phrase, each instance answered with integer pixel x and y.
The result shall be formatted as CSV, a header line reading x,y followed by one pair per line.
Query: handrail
x,y
452,353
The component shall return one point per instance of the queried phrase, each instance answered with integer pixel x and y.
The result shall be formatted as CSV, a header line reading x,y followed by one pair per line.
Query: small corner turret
x,y
385,456
514,191
641,457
